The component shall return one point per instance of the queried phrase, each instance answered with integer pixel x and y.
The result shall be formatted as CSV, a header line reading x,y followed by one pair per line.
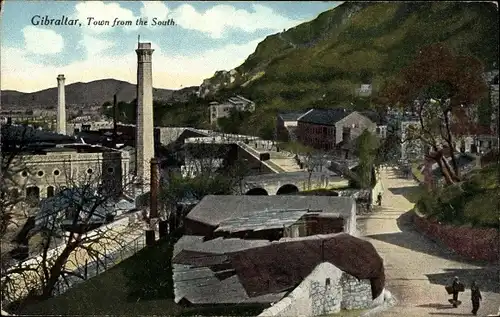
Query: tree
x,y
367,151
207,169
443,90
61,224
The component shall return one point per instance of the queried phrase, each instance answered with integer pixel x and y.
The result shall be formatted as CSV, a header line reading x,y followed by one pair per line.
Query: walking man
x,y
475,297
456,288
379,199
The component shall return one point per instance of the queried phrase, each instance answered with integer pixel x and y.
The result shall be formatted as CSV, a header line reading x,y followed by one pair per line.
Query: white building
x,y
222,110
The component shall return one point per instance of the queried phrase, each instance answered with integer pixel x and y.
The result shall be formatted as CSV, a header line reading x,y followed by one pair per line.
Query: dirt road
x,y
417,269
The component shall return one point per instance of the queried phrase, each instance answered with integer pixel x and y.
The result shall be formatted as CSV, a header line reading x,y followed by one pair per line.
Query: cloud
x,y
154,9
42,41
94,46
220,18
169,71
100,11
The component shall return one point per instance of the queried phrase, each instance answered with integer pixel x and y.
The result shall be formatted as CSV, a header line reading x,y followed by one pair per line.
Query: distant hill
x,y
94,92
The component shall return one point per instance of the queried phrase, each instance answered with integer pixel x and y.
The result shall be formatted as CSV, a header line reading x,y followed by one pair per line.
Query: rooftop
x,y
214,210
325,116
291,116
237,270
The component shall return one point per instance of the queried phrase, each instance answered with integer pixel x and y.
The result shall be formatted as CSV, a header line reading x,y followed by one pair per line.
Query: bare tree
x,y
447,89
71,227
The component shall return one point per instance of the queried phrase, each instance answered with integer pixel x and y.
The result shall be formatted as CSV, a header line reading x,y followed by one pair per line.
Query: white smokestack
x,y
61,106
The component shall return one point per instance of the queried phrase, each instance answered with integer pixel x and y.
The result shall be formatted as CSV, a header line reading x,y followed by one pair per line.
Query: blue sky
x,y
206,37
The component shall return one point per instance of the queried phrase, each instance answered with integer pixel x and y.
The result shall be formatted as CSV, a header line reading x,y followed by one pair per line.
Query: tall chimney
x,y
61,106
144,128
115,119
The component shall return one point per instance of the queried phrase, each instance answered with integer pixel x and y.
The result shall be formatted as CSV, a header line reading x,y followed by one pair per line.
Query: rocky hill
x,y
94,92
321,63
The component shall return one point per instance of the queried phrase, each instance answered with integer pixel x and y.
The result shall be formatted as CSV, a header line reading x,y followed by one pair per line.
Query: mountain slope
x,y
320,63
94,92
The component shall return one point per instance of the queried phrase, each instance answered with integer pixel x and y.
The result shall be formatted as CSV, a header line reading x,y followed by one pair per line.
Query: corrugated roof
x,y
263,220
213,209
325,116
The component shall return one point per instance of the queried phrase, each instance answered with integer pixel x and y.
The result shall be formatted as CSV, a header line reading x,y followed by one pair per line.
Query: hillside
x,y
320,63
94,92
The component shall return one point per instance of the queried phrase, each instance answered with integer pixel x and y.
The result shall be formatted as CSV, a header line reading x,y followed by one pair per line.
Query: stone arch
x,y
257,192
287,189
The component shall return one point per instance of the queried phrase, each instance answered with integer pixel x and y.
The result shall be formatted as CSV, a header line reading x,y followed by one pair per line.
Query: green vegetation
x,y
320,63
472,202
140,285
366,149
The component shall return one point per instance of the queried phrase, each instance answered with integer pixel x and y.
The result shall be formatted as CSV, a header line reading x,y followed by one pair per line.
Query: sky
x,y
207,36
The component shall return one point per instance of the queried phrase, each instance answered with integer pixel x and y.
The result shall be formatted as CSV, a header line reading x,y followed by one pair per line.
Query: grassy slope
x,y
334,54
472,202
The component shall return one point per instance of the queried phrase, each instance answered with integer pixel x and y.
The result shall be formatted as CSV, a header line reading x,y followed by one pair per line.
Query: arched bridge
x,y
290,183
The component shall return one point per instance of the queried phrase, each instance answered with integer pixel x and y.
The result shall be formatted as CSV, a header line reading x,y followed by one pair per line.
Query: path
x,y
417,269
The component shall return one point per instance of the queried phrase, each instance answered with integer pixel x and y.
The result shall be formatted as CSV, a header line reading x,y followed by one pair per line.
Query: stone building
x,y
40,172
222,110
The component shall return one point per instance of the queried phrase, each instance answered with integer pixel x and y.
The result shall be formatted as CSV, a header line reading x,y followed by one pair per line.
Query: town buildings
x,y
332,129
223,110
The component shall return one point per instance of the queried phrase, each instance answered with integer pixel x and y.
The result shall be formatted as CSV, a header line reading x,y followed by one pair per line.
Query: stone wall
x,y
326,290
472,243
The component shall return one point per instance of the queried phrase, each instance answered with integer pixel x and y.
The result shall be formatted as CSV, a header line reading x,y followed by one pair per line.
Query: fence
x,y
17,285
100,265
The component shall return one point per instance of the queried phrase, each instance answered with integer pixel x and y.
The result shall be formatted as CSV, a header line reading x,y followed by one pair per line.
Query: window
x,y
90,171
56,172
40,173
111,170
50,191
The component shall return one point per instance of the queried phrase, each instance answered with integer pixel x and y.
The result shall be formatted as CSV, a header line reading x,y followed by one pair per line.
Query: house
x,y
286,125
325,129
223,110
336,270
271,217
365,90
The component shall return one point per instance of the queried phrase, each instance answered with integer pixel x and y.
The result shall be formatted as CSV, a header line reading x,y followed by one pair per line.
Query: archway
x,y
50,191
257,192
33,194
287,190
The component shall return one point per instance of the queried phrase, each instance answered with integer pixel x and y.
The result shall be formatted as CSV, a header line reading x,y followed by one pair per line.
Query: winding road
x,y
417,269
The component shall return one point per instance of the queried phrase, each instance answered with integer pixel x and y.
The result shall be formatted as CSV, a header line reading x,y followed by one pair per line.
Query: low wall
x,y
326,290
472,243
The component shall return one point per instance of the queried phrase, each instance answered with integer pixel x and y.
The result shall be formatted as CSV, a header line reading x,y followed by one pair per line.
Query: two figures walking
x,y
458,287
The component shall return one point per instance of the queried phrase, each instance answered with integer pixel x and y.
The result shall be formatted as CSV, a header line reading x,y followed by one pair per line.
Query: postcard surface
x,y
253,158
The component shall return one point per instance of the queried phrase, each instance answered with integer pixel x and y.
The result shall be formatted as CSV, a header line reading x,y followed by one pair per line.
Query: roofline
x,y
305,114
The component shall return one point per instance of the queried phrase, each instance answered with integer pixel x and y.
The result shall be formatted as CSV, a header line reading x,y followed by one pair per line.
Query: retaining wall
x,y
471,243
326,290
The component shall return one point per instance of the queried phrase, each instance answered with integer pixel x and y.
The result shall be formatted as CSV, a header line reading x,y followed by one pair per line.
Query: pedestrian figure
x,y
475,297
456,287
379,199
